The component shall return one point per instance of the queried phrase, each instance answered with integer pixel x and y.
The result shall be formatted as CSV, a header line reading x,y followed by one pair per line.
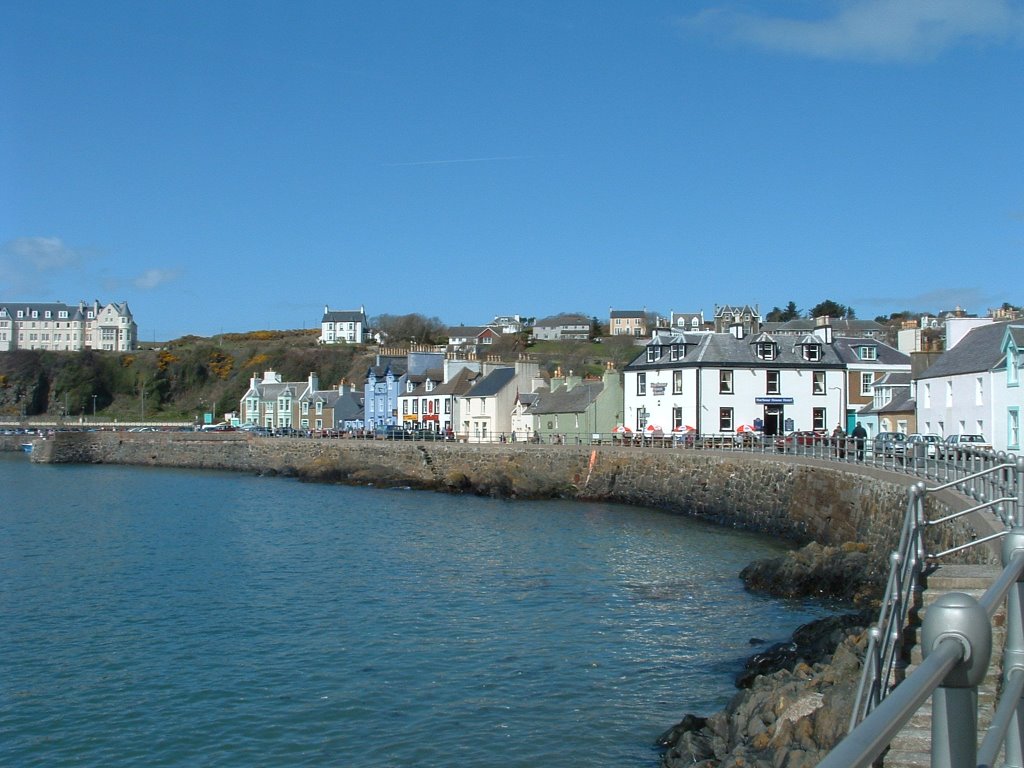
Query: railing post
x,y
956,617
1018,517
1013,653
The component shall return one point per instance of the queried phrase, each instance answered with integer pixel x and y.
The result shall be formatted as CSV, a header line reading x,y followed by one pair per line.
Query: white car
x,y
929,440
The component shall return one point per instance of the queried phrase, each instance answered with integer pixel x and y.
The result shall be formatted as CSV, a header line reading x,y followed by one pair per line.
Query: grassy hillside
x,y
192,375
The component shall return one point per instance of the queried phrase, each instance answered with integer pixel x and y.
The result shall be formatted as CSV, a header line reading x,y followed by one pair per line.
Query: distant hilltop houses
x,y
67,327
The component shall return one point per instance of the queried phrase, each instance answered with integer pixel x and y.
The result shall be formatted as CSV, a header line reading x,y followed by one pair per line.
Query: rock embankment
x,y
796,697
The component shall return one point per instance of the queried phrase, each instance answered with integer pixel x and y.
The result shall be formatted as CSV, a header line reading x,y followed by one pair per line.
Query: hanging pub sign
x,y
657,389
773,400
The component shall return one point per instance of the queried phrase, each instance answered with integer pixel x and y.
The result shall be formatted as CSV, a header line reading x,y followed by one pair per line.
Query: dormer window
x,y
430,385
812,352
409,386
653,353
766,350
867,353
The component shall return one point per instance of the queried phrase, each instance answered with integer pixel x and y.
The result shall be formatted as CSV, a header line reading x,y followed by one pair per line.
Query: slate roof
x,y
575,400
458,384
627,313
348,407
841,326
726,351
978,351
846,347
492,383
344,316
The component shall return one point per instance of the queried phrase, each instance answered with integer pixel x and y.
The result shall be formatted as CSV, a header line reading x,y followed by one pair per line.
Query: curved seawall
x,y
792,497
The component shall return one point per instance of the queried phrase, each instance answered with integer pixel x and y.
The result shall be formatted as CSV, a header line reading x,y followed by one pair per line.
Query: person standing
x,y
860,435
839,441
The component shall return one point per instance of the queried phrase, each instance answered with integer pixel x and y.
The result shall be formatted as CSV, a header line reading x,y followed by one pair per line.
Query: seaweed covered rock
x,y
842,573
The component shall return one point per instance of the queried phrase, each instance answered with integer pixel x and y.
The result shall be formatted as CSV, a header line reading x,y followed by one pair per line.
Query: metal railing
x,y
956,633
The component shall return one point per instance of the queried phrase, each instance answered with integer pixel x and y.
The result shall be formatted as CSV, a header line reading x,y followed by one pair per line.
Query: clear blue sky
x,y
230,166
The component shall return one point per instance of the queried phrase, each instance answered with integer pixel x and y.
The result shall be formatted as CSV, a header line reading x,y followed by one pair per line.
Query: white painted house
x,y
717,383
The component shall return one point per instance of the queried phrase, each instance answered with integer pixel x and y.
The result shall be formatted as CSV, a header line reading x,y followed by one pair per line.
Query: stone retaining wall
x,y
799,499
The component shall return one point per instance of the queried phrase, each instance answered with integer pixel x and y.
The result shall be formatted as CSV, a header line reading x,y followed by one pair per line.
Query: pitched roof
x,y
725,350
847,346
493,382
562,400
980,350
344,316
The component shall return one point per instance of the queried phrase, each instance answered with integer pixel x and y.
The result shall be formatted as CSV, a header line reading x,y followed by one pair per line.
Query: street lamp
x,y
94,406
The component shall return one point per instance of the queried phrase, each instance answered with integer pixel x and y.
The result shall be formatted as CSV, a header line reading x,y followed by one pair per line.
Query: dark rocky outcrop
x,y
846,573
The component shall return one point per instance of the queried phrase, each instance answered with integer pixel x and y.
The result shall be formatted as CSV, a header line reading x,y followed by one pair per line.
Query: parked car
x,y
891,445
922,445
954,445
801,441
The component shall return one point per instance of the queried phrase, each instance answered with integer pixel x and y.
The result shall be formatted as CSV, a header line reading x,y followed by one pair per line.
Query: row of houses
x,y
708,382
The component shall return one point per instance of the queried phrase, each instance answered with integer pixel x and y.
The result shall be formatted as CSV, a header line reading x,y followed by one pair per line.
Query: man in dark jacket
x,y
860,435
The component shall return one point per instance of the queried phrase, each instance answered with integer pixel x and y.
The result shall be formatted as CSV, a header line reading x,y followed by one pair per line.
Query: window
x,y
652,354
1013,429
812,352
415,406
1012,367
447,405
319,407
818,383
405,407
868,353
725,419
673,353
773,382
305,407
677,418
818,418
867,379
641,383
677,382
725,382
766,350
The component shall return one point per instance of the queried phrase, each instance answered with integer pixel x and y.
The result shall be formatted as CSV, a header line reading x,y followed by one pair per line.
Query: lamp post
x,y
94,406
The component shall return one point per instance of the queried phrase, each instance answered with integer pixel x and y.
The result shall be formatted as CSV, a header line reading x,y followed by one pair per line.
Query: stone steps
x,y
912,746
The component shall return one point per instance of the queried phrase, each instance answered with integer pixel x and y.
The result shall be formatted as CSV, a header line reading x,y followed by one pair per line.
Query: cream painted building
x,y
67,327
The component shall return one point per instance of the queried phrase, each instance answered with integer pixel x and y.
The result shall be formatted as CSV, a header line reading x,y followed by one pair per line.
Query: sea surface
x,y
174,618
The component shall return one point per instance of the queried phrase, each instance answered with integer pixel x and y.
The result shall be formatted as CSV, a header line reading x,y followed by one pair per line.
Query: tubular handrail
x,y
881,708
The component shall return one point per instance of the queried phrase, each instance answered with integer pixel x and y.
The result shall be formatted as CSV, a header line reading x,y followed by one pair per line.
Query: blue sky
x,y
230,166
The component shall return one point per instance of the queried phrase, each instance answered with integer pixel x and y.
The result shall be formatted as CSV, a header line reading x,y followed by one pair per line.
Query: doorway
x,y
773,420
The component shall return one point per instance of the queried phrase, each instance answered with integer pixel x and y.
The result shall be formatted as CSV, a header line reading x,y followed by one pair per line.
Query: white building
x,y
343,326
68,328
486,408
975,386
718,383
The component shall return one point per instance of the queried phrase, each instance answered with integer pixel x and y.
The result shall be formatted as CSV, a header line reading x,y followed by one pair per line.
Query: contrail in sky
x,y
458,160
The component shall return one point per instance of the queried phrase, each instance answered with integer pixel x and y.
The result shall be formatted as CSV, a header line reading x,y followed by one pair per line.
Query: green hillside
x,y
184,378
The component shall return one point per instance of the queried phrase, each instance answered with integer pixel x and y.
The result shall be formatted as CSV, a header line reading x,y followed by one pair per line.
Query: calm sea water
x,y
171,618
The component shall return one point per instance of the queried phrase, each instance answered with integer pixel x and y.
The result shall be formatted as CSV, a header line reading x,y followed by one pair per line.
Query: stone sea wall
x,y
799,499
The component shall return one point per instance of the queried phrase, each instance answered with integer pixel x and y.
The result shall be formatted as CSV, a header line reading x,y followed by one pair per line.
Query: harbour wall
x,y
796,498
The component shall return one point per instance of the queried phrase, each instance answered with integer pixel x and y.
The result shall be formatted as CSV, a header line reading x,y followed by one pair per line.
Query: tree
x,y
413,328
832,309
778,315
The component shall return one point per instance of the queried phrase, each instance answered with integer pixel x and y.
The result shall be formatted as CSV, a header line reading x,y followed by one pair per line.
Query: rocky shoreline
x,y
795,697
